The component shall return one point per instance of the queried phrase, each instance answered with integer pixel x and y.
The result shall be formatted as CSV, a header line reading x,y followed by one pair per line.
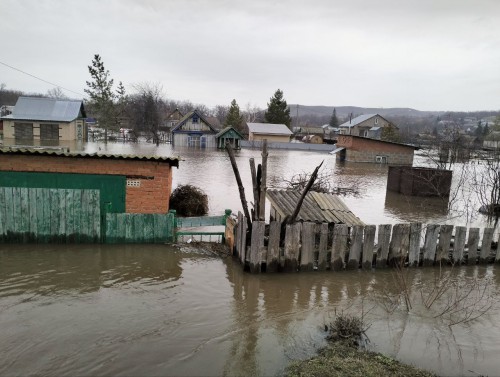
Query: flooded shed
x,y
317,207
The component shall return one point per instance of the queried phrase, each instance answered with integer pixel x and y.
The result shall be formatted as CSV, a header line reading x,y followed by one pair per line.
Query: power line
x,y
38,78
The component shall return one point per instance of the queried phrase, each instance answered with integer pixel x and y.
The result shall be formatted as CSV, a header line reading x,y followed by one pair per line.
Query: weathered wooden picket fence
x,y
310,246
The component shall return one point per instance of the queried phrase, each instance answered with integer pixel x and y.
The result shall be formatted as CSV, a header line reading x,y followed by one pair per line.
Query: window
x,y
195,118
49,131
194,140
23,131
376,120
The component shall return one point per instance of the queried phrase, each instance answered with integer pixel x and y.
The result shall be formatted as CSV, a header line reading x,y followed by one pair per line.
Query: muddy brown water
x,y
161,310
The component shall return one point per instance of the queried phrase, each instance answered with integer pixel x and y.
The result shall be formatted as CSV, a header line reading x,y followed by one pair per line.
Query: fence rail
x,y
308,246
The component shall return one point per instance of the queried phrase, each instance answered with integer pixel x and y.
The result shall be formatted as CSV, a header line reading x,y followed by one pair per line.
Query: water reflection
x,y
416,209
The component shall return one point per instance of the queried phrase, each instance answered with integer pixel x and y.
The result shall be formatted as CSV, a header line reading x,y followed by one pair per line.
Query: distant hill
x,y
344,111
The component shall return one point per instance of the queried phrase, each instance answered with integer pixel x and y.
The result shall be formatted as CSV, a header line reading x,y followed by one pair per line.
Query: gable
x,y
193,122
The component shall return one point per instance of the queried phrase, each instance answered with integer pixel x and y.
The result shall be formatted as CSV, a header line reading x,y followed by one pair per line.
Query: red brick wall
x,y
151,197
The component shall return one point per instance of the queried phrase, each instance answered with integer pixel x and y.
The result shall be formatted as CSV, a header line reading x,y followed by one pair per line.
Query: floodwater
x,y
153,310
159,310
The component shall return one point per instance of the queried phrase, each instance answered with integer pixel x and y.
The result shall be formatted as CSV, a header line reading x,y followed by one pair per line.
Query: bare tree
x,y
56,93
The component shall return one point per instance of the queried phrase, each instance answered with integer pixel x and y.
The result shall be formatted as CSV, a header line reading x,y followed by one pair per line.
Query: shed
x,y
317,207
228,135
270,131
46,119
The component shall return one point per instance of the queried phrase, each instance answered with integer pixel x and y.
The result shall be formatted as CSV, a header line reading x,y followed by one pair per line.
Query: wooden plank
x,y
414,247
273,247
368,245
384,242
121,228
2,214
111,224
292,247
148,230
443,249
486,245
8,212
308,242
25,217
257,244
55,215
323,248
243,241
138,233
77,215
96,204
237,240
459,244
85,218
472,244
32,222
430,244
339,246
399,244
129,228
192,222
17,214
70,213
356,247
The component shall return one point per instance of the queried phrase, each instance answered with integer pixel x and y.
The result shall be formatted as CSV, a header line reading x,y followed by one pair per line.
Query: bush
x,y
189,200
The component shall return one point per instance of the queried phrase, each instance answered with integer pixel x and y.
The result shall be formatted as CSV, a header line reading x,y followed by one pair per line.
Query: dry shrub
x,y
189,200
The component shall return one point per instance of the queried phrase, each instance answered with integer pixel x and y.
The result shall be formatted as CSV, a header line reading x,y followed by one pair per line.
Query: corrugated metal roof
x,y
47,109
174,161
269,128
317,207
357,120
227,129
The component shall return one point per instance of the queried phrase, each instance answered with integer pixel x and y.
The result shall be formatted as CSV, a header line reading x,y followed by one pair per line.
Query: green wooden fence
x,y
201,223
49,215
139,228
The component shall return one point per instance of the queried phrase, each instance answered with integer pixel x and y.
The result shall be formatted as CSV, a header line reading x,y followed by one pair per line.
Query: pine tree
x,y
234,118
100,91
334,122
278,111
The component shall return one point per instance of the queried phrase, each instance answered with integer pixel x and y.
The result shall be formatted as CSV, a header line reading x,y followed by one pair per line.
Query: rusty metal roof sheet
x,y
317,207
173,161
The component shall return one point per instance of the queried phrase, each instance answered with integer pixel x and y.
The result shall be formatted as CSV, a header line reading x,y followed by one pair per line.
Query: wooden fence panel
x,y
486,245
308,245
443,249
430,244
384,238
243,240
414,248
472,244
339,246
292,247
323,248
368,245
459,244
356,247
257,245
273,247
399,245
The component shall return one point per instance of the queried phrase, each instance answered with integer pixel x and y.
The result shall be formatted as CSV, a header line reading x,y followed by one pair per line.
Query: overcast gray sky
x,y
424,54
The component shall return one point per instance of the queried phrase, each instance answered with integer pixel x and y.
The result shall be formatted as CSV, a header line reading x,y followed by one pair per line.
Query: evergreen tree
x,y
486,129
278,111
234,118
100,91
334,122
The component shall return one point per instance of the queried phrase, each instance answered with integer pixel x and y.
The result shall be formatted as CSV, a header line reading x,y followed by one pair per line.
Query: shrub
x,y
189,200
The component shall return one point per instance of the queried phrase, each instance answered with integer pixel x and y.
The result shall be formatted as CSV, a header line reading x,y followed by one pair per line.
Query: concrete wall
x,y
270,138
371,156
366,150
76,130
152,180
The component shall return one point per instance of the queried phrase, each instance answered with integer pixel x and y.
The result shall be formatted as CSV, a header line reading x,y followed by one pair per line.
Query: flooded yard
x,y
159,310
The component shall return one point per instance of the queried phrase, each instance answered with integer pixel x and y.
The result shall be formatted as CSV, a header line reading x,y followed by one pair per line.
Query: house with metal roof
x,y
40,120
194,130
367,125
228,135
317,207
270,131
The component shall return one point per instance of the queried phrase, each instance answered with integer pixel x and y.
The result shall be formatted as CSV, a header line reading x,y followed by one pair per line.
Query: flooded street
x,y
154,310
158,310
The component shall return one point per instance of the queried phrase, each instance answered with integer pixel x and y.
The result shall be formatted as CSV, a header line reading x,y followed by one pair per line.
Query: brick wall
x,y
370,156
359,149
152,196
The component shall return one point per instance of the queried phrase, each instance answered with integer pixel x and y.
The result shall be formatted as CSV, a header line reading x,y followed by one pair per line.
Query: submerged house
x,y
368,125
194,130
38,120
317,207
362,149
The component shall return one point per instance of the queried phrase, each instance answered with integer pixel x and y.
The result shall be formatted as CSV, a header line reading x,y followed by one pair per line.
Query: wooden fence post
x,y
459,244
273,247
430,245
356,247
368,244
472,244
258,229
308,243
323,248
384,239
414,249
486,245
292,247
243,241
443,249
339,246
